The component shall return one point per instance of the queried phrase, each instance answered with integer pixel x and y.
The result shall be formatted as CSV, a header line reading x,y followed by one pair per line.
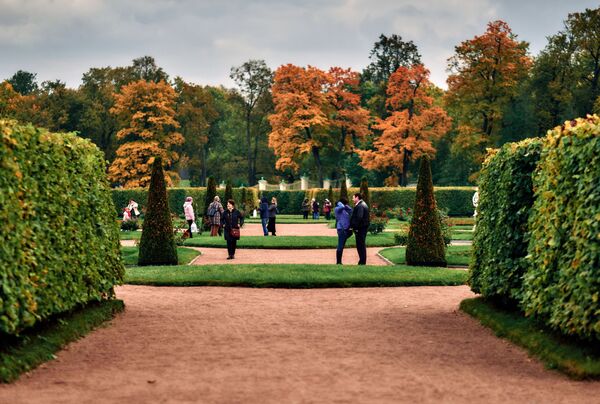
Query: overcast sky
x,y
201,40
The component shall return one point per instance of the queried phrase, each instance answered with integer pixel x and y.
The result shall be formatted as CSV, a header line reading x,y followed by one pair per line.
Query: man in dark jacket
x,y
264,214
359,223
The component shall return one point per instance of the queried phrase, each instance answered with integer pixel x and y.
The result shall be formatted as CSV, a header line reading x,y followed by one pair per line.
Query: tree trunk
x,y
249,149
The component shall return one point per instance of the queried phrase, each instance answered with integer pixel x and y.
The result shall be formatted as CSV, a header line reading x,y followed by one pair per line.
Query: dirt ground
x,y
257,256
230,345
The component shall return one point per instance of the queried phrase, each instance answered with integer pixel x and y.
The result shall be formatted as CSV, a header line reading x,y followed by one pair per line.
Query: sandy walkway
x,y
258,256
273,345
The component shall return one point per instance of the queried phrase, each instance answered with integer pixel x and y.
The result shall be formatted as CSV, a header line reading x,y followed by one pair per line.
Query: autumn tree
x,y
300,122
413,124
149,130
254,79
485,74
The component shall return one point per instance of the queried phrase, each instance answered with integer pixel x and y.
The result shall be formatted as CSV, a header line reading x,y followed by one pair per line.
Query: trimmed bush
x,y
229,193
157,246
425,245
364,191
59,241
211,192
344,190
500,239
562,284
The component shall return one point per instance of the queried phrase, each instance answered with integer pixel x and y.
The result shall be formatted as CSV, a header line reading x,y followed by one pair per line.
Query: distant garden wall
x,y
59,241
457,200
537,241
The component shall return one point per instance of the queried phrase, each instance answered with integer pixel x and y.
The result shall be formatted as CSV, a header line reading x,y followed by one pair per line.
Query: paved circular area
x,y
259,256
224,345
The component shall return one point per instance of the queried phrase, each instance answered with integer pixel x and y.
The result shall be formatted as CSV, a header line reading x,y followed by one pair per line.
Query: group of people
x,y
313,206
222,221
350,222
131,212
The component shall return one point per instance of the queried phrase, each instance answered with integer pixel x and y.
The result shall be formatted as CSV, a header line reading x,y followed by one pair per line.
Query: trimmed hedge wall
x,y
457,200
562,285
59,242
500,239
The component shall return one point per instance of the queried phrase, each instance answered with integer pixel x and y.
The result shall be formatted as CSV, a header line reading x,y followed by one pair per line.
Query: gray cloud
x,y
201,40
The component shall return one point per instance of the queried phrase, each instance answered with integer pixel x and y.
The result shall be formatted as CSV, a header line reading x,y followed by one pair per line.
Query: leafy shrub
x,y
425,245
401,237
157,246
130,225
377,224
562,284
445,226
500,239
60,240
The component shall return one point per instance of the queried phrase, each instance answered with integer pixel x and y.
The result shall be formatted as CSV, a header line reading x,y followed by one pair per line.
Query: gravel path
x,y
230,345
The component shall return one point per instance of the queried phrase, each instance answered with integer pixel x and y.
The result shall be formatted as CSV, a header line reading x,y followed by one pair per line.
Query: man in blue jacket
x,y
359,223
342,217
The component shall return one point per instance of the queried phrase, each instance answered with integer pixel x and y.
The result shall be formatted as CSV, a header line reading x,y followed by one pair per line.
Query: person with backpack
x,y
305,208
215,209
342,217
359,223
263,209
315,209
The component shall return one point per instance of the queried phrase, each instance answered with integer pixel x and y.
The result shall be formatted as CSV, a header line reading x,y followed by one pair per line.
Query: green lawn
x,y
38,345
455,255
184,255
293,276
575,358
290,242
130,235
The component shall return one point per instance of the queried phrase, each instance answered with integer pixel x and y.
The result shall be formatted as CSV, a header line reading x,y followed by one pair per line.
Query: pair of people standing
x,y
351,221
214,212
268,215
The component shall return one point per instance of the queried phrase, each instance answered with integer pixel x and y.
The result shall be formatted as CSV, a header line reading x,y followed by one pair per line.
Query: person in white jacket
x,y
133,209
188,210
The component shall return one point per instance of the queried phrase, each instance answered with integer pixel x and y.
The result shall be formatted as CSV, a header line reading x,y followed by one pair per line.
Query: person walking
x,y
263,209
359,223
272,216
214,212
305,208
315,209
342,217
231,220
327,209
188,210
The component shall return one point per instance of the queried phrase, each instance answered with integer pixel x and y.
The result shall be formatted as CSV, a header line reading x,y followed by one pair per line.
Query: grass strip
x,y
579,360
455,255
293,276
19,354
184,255
290,242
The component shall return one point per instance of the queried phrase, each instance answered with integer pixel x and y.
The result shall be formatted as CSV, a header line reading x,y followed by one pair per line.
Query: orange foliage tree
x,y
413,124
485,73
314,110
147,110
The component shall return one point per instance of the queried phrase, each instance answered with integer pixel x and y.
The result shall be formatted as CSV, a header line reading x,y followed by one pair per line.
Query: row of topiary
x,y
59,242
455,200
537,241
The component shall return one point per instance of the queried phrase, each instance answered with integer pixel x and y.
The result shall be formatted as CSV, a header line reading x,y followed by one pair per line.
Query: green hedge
x,y
60,243
500,239
457,200
562,286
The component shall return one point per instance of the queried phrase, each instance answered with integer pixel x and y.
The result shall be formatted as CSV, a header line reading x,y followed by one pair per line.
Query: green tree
x,y
254,79
157,245
425,245
343,188
364,191
24,82
211,192
229,192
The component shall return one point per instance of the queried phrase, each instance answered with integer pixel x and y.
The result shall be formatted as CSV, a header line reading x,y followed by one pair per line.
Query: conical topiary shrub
x,y
425,245
343,188
211,192
364,191
228,193
157,246
330,195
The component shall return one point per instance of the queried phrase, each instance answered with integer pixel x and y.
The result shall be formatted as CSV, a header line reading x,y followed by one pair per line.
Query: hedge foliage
x,y
59,245
537,240
500,239
456,200
562,285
